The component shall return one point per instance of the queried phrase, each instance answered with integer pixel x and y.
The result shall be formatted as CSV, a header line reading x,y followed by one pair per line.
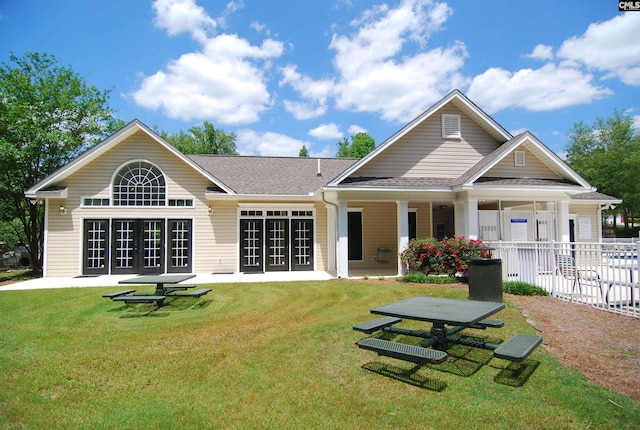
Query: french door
x,y
137,246
252,244
276,244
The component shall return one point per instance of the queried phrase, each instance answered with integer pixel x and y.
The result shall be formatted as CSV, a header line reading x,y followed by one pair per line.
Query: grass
x,y
268,356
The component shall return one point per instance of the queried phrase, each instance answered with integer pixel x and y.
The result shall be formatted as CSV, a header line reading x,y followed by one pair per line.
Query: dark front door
x,y
251,244
137,246
277,244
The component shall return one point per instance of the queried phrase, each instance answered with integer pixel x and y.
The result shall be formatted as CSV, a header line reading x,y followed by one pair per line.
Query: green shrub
x,y
421,278
450,256
523,289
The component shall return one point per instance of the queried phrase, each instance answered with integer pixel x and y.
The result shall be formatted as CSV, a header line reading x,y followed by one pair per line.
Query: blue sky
x,y
287,73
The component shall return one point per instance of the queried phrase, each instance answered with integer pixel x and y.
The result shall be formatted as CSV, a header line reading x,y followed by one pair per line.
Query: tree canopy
x,y
203,139
304,152
48,115
607,154
360,145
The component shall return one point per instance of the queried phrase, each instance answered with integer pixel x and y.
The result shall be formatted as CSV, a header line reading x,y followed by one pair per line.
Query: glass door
x,y
277,244
251,243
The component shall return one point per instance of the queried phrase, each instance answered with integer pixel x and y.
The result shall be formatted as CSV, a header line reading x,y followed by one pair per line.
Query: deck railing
x,y
603,275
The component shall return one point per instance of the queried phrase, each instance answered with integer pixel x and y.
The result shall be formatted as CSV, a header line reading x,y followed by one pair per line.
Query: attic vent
x,y
451,126
519,158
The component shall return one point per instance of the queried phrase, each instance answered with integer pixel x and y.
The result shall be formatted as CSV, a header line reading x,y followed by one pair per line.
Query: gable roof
x,y
461,102
40,189
285,176
541,151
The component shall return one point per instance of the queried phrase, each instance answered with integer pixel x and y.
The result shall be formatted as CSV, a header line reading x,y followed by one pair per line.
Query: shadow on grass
x,y
516,374
462,361
408,376
140,310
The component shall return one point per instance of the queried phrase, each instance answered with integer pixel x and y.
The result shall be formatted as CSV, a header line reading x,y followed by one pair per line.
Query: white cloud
x,y
541,52
376,71
225,81
179,16
609,46
251,142
547,88
326,132
314,93
355,129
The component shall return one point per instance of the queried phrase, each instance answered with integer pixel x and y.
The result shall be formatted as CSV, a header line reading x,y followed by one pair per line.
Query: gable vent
x,y
519,158
451,126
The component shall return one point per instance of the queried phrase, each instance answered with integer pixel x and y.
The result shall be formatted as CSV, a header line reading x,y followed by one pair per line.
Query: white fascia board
x,y
248,197
366,188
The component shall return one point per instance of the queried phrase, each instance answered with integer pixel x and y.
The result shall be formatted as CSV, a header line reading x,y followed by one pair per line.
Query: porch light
x,y
210,210
62,210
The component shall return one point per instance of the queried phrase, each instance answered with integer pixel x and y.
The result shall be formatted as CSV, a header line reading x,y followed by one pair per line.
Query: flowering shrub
x,y
450,256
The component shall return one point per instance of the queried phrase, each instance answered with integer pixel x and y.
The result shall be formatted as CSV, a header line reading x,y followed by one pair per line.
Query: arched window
x,y
139,184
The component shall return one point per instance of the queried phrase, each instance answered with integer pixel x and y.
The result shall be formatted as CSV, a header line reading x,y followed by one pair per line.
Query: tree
x,y
48,115
361,144
204,139
304,152
607,154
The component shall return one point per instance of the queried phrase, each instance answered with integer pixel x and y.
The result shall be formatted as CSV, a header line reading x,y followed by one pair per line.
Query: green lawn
x,y
277,355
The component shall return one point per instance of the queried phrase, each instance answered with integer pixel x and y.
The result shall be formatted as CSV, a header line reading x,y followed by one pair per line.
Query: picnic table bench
x,y
197,293
518,348
414,354
130,298
117,293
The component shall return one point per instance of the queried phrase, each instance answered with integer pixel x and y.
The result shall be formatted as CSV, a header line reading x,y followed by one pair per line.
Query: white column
x,y
563,221
403,230
466,218
342,257
472,214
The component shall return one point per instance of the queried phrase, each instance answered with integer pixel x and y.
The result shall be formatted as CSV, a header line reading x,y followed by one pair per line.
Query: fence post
x,y
554,277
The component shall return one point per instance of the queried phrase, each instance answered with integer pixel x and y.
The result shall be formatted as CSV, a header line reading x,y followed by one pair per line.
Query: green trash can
x,y
485,279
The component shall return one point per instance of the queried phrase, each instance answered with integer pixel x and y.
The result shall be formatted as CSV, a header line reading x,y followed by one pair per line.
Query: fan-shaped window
x,y
139,184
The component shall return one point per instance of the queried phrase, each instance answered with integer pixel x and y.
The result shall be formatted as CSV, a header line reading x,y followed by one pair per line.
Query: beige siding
x,y
379,231
321,252
424,153
533,168
423,219
586,212
219,254
64,237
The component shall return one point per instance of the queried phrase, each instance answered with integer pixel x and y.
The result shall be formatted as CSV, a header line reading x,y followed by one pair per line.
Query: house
x,y
133,204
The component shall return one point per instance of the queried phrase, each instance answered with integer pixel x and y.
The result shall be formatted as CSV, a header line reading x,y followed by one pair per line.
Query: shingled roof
x,y
287,176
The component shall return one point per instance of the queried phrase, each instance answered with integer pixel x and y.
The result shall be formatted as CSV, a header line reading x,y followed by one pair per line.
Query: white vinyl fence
x,y
603,275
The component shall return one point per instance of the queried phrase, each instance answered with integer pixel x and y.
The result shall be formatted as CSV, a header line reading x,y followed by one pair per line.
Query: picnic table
x,y
448,317
166,286
159,280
